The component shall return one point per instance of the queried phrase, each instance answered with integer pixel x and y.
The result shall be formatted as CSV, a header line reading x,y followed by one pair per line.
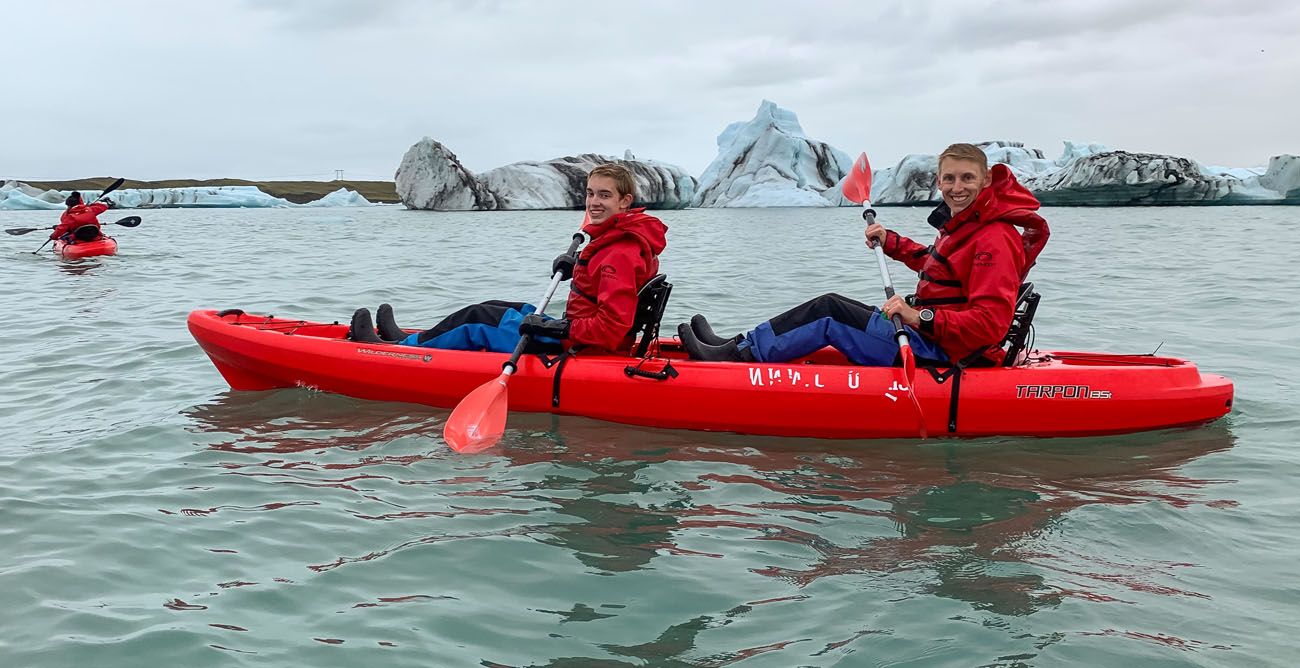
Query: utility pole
x,y
338,175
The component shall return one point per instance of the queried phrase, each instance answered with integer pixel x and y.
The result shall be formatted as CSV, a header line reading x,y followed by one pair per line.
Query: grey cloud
x,y
270,87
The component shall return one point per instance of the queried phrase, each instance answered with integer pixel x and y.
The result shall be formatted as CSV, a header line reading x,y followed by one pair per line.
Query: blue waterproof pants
x,y
851,327
491,326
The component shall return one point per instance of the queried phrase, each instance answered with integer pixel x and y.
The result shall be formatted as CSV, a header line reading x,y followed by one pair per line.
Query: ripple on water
x,y
150,511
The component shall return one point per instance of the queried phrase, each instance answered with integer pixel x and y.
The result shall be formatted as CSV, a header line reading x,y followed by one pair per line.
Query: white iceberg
x,y
340,198
769,161
15,196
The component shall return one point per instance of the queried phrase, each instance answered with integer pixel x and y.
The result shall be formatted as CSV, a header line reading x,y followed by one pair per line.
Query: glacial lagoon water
x,y
151,514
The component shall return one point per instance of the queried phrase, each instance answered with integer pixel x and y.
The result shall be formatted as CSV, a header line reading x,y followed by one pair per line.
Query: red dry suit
x,y
972,273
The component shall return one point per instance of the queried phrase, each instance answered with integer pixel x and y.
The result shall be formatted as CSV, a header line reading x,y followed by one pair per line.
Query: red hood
x,y
1006,201
634,222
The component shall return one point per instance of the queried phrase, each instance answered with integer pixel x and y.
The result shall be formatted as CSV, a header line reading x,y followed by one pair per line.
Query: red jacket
x,y
971,275
620,257
81,214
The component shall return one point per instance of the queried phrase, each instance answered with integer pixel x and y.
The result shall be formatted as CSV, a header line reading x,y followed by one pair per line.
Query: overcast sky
x,y
286,89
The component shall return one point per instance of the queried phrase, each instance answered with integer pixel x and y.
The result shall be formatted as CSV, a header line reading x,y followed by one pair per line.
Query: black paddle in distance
x,y
129,221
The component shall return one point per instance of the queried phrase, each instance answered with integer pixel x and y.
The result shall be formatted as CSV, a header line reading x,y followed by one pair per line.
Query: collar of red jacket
x,y
633,222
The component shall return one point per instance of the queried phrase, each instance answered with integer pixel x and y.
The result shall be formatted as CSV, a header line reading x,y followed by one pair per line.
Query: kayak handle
x,y
663,374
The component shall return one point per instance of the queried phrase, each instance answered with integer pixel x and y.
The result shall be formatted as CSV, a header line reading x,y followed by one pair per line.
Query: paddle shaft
x,y
857,188
513,363
900,334
116,184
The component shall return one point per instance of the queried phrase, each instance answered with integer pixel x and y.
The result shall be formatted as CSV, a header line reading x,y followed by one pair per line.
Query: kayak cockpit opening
x,y
86,234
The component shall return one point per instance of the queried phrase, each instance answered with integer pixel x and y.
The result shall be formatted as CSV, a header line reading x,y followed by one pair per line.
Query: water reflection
x,y
975,519
296,421
615,533
79,267
969,515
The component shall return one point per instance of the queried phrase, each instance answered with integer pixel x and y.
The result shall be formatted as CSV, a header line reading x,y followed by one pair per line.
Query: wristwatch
x,y
926,317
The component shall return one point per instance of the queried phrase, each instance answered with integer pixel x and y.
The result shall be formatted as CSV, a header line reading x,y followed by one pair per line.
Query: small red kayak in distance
x,y
1050,394
77,250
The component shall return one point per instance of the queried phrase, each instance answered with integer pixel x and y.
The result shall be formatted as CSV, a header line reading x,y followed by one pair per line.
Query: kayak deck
x,y
1054,394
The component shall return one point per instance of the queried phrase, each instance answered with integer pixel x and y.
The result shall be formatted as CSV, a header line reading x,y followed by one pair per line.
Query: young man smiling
x,y
970,277
621,255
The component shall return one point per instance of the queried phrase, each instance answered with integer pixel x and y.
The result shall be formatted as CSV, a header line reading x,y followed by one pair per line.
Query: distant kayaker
x,y
965,300
620,257
79,215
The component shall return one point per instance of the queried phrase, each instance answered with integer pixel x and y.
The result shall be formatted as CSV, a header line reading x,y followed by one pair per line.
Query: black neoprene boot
x,y
387,324
362,330
698,350
705,333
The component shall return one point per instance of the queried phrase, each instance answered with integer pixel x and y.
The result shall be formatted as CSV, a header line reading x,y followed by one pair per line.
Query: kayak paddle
x,y
857,188
479,420
116,184
129,221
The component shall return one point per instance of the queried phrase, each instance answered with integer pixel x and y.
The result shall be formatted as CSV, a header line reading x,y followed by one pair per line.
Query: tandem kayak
x,y
1050,394
73,251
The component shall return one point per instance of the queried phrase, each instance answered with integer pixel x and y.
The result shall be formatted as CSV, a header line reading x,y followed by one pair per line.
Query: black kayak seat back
x,y
651,300
86,233
1022,324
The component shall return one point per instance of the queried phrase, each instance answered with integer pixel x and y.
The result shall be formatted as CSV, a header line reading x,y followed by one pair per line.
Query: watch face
x,y
926,314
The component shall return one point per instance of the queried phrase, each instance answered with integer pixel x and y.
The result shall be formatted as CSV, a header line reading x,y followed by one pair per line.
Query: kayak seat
x,y
86,233
651,300
1022,324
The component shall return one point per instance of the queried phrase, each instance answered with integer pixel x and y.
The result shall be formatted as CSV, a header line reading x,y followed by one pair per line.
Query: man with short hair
x,y
966,298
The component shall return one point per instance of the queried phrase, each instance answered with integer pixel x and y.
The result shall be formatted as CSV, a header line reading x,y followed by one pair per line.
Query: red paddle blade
x,y
857,185
479,420
909,370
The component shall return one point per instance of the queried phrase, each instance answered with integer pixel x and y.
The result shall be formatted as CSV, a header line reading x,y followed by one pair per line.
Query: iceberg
x,y
912,180
341,198
1075,150
1121,178
769,161
1090,174
431,177
14,195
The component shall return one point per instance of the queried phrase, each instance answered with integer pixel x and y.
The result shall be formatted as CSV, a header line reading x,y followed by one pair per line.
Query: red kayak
x,y
1048,394
79,249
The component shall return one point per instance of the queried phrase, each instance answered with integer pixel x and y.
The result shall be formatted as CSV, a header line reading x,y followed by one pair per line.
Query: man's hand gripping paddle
x,y
479,420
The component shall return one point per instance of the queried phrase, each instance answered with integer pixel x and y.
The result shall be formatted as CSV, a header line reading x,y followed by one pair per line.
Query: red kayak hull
x,y
75,251
1055,394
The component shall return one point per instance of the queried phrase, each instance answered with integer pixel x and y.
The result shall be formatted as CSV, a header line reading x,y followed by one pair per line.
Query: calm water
x,y
151,515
